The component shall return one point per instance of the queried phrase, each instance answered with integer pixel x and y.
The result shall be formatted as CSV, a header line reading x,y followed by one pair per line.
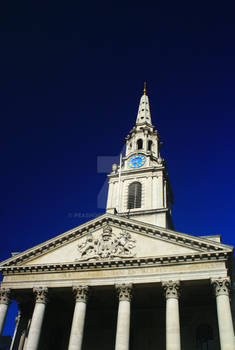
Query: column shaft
x,y
123,325
172,324
77,330
172,315
76,337
36,326
21,333
3,314
225,322
22,340
37,319
4,303
16,331
123,321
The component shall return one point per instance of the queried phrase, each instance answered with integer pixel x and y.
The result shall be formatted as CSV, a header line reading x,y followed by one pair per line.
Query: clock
x,y
136,161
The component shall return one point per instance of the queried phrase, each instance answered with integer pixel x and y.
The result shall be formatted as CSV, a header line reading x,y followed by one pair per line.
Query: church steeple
x,y
143,190
144,115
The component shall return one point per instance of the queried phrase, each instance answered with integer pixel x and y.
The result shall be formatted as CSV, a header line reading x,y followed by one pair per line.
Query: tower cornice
x,y
137,171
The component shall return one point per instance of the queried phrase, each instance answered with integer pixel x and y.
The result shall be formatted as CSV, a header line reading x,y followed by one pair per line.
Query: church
x,y
125,280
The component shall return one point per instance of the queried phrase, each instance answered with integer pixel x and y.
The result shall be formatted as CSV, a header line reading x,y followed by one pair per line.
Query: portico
x,y
121,303
144,320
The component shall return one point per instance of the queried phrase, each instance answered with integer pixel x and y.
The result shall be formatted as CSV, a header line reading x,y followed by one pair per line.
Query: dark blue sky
x,y
72,74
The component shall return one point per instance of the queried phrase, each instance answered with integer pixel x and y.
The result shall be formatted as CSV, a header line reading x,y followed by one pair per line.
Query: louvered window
x,y
139,144
150,145
134,195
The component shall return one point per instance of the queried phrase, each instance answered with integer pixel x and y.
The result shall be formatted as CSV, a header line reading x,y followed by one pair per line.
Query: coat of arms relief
x,y
109,245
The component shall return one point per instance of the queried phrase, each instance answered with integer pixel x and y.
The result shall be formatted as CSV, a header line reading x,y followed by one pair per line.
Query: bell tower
x,y
139,188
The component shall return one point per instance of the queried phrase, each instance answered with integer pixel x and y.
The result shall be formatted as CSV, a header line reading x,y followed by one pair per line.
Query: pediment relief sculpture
x,y
109,245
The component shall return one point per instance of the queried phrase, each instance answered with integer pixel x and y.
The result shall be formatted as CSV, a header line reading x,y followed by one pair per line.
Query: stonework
x,y
171,289
124,291
41,294
221,286
107,246
81,293
5,296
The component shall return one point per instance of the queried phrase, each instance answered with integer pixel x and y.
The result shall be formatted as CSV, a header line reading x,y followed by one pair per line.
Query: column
x,y
22,320
76,336
226,333
22,340
37,318
171,289
16,331
124,312
24,336
4,303
232,294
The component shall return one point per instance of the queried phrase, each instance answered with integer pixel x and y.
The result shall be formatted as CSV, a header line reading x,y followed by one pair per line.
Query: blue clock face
x,y
136,161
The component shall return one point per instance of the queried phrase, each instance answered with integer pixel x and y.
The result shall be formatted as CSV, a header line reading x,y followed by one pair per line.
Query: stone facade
x,y
174,291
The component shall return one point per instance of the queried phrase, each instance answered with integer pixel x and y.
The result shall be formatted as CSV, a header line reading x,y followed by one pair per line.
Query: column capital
x,y
81,293
5,296
221,285
41,294
124,291
171,289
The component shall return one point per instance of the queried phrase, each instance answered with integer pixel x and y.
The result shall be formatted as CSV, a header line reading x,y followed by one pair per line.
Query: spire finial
x,y
145,87
143,115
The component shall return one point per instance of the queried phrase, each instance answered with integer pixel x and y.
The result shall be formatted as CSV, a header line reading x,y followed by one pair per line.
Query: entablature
x,y
116,264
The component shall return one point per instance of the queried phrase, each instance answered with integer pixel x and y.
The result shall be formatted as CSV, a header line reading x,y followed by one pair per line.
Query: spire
x,y
144,115
145,87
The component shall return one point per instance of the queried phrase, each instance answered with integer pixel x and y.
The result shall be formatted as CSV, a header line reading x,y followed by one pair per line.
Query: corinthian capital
x,y
124,291
171,289
41,294
221,286
81,293
5,296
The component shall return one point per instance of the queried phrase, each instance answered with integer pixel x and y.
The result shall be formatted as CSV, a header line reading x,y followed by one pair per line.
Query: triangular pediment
x,y
110,237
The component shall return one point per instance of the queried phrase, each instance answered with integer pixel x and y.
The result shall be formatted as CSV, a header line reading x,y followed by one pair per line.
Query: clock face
x,y
136,161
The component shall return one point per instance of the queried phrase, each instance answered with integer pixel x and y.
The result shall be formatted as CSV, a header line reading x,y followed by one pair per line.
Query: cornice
x,y
116,264
143,212
53,243
137,171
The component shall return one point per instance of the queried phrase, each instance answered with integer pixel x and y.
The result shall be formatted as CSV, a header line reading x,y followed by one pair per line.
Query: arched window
x,y
150,145
134,195
139,144
204,337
